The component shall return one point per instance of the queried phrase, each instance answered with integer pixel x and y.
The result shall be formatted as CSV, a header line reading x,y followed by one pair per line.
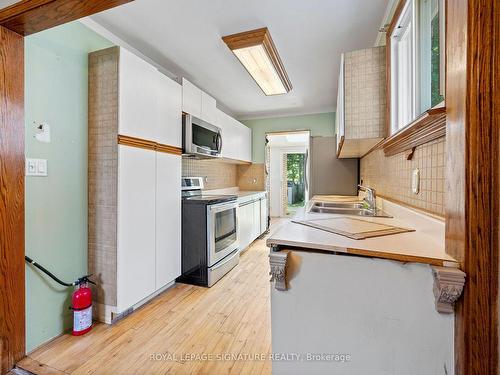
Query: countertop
x,y
246,193
425,245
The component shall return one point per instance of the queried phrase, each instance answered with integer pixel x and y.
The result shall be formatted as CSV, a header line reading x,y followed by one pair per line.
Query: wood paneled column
x,y
12,317
473,176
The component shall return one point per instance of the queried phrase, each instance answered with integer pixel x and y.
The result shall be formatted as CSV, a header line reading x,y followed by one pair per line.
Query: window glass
x,y
430,54
417,61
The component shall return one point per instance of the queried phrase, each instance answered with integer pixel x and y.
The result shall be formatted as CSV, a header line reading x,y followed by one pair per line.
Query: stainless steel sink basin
x,y
340,204
355,209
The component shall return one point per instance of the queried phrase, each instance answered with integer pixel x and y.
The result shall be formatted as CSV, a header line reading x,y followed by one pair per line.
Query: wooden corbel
x,y
448,287
277,262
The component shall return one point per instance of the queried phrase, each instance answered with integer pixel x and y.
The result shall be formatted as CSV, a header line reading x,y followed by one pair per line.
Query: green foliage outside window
x,y
436,97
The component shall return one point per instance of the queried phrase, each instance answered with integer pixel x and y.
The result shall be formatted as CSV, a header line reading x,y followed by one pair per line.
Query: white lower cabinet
x,y
245,224
136,226
252,219
263,215
168,223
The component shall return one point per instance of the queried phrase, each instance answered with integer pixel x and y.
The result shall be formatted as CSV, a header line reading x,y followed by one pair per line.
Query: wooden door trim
x,y
31,16
23,18
12,306
473,177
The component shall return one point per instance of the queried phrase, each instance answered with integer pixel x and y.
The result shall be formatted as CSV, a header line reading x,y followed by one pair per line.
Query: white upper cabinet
x,y
198,103
236,138
150,103
191,98
246,142
169,99
137,97
208,108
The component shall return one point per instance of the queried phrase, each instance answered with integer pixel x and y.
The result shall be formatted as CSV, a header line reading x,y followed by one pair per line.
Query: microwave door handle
x,y
219,142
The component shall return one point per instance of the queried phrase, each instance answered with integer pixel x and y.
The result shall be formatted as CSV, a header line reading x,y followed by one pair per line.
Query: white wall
x,y
380,312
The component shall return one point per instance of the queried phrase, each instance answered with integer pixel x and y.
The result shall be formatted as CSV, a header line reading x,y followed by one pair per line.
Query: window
x,y
416,47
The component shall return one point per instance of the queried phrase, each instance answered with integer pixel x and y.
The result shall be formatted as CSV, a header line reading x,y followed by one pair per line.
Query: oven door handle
x,y
228,258
222,207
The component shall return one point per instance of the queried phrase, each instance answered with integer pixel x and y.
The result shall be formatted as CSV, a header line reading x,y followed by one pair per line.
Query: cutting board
x,y
356,229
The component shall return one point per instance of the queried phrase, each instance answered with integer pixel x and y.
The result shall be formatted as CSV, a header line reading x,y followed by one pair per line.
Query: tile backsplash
x,y
251,177
391,176
218,173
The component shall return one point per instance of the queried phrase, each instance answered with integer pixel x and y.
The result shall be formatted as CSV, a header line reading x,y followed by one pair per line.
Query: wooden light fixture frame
x,y
258,37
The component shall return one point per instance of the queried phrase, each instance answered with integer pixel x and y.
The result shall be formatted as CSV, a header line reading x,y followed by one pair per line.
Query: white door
x,y
136,225
255,220
191,98
138,114
208,108
245,225
263,215
169,111
168,218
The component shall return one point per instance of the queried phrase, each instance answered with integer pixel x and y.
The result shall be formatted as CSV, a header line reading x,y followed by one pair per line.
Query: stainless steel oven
x,y
200,138
210,244
222,224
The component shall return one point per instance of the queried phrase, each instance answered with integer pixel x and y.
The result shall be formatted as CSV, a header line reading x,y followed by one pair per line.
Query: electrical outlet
x,y
415,181
36,167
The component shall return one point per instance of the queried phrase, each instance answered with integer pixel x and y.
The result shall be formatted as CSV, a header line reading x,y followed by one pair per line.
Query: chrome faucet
x,y
371,197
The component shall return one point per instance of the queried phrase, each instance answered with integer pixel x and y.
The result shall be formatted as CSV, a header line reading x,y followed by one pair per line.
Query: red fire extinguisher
x,y
81,301
81,304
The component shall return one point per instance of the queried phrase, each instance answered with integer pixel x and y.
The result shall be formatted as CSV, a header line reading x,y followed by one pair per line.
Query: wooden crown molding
x,y
31,16
431,125
257,37
145,144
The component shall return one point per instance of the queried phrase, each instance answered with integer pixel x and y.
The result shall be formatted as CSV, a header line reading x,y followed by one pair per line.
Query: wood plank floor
x,y
231,318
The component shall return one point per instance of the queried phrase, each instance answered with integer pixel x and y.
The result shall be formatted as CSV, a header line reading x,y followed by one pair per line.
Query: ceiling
x,y
184,36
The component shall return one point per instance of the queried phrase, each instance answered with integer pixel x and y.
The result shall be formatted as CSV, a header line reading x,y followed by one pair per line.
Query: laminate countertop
x,y
425,245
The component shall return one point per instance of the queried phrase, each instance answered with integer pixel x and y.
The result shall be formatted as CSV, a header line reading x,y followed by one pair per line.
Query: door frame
x,y
473,176
17,21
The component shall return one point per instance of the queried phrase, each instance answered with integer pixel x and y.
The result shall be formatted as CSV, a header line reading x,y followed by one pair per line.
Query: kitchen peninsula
x,y
386,303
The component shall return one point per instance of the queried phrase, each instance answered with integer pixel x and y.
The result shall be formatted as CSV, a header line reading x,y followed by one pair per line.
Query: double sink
x,y
347,208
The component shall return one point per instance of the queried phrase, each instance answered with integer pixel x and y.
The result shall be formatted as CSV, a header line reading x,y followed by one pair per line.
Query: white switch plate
x,y
415,181
36,167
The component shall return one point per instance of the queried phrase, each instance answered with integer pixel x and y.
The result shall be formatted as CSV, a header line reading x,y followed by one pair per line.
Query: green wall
x,y
320,124
56,206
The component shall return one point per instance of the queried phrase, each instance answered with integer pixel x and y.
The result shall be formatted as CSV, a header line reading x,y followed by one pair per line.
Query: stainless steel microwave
x,y
199,138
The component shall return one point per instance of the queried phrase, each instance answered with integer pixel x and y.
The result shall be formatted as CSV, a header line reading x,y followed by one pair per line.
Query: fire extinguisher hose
x,y
48,273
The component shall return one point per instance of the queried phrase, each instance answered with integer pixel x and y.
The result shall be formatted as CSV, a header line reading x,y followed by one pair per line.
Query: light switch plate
x,y
36,167
415,181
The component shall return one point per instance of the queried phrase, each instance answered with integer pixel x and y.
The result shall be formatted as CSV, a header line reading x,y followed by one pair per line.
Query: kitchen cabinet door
x,y
138,114
168,218
191,98
245,225
256,220
245,151
136,225
208,108
263,215
169,111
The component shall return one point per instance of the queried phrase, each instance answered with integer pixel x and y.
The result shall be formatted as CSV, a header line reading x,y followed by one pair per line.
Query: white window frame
x,y
406,96
402,66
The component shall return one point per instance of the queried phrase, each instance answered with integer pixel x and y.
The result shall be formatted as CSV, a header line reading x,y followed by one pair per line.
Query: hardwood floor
x,y
231,318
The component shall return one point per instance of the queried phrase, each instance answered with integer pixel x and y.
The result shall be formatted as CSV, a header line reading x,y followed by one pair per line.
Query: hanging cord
x,y
81,280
